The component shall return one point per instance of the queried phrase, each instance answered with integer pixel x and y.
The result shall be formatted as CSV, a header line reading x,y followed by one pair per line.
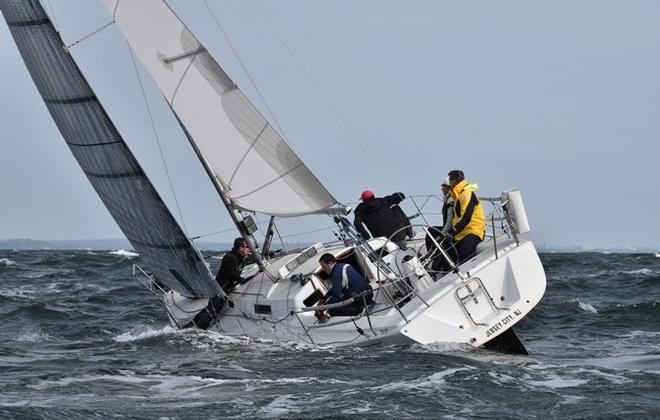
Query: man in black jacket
x,y
228,277
382,216
232,263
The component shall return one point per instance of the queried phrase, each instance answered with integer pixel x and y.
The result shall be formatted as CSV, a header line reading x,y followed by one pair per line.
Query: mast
x,y
235,215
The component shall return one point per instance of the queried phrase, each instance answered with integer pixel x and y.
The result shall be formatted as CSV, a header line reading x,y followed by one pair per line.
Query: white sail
x,y
255,167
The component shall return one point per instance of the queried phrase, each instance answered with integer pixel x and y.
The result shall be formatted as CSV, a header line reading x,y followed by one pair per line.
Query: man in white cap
x,y
447,205
439,232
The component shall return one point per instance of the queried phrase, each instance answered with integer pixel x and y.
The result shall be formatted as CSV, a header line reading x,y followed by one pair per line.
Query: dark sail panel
x,y
103,155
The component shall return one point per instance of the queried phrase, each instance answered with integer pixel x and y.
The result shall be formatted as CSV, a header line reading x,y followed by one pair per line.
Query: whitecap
x,y
280,406
639,333
644,271
584,306
21,403
7,262
657,255
571,399
19,293
33,336
615,379
136,335
66,381
556,382
587,307
362,408
502,379
443,347
432,381
125,253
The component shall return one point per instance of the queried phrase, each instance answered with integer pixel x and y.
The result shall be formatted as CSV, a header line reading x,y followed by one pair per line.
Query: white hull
x,y
456,308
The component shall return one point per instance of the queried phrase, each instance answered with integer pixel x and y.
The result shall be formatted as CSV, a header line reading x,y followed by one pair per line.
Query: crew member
x,y
346,282
468,226
229,275
382,216
439,232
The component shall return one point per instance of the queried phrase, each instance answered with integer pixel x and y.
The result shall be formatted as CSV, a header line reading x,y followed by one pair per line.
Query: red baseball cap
x,y
366,195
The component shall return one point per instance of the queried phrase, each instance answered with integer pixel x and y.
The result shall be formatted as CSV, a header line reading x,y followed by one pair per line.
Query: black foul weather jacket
x,y
230,270
382,216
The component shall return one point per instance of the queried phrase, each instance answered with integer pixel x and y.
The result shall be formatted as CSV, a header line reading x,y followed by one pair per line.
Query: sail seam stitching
x,y
270,182
77,100
35,22
183,76
93,144
117,174
246,153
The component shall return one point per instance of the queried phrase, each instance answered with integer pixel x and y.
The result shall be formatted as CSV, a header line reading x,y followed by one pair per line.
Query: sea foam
x,y
125,253
584,306
33,336
136,336
6,262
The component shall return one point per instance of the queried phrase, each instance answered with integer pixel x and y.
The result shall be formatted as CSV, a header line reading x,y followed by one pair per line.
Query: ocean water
x,y
80,338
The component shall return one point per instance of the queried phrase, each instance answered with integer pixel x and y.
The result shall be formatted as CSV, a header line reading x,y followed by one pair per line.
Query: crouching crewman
x,y
347,282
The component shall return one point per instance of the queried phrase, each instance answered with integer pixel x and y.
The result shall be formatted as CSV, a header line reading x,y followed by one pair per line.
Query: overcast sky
x,y
560,99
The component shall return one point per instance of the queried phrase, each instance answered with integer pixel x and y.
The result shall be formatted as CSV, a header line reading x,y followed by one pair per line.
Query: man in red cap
x,y
382,216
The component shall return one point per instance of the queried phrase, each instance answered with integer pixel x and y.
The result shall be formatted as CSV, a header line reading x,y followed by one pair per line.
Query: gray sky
x,y
560,99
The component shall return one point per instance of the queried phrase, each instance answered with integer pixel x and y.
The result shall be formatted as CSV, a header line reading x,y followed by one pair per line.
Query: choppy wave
x,y
557,382
21,292
125,253
137,335
586,307
7,262
33,336
426,383
85,341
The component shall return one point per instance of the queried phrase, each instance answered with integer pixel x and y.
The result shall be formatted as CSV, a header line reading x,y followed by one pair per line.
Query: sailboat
x,y
255,171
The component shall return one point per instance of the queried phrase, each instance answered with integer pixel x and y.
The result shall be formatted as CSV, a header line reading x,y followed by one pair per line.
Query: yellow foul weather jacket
x,y
468,214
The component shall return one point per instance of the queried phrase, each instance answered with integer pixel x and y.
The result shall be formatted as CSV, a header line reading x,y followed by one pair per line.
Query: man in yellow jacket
x,y
468,225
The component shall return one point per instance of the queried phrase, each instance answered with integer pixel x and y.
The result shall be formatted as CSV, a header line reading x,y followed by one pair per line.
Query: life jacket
x,y
469,215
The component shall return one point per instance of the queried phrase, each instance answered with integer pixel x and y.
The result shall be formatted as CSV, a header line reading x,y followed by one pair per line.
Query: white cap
x,y
445,182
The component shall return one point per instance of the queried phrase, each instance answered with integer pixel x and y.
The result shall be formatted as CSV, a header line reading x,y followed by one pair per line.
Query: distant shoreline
x,y
104,244
114,244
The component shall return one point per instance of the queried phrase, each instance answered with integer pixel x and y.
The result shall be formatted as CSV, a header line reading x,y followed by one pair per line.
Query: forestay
x,y
252,163
104,156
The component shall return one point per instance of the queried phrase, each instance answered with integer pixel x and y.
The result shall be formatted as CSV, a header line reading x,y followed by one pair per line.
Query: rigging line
x,y
204,235
321,93
307,232
89,35
52,16
280,238
252,82
316,86
153,127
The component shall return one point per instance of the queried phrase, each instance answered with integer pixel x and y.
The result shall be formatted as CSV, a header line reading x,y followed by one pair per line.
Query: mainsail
x,y
103,155
252,164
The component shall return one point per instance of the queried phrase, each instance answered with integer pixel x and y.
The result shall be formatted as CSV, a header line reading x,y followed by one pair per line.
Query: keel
x,y
507,342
